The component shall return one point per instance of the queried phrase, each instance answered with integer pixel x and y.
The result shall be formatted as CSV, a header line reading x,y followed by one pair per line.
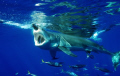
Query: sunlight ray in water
x,y
23,26
96,34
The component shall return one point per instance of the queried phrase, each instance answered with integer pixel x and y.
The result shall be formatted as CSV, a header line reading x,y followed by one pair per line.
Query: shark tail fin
x,y
116,59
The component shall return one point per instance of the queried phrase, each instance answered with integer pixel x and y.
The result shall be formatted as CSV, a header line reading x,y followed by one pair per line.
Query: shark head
x,y
44,40
41,37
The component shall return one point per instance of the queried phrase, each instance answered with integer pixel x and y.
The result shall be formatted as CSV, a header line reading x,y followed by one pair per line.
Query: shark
x,y
54,41
68,42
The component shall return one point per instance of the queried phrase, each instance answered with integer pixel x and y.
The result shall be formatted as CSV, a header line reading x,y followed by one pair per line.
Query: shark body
x,y
63,42
54,42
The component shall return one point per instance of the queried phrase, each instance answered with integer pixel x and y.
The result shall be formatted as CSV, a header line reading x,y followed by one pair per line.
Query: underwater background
x,y
18,53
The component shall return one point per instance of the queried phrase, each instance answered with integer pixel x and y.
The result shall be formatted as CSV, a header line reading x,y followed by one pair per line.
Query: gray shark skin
x,y
54,42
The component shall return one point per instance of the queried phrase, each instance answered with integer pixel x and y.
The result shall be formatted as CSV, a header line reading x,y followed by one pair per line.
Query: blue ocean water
x,y
18,53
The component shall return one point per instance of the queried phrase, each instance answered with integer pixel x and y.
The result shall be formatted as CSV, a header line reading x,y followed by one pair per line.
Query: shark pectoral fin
x,y
67,51
53,54
64,43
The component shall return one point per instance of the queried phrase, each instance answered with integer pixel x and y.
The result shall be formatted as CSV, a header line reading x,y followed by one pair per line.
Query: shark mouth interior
x,y
41,39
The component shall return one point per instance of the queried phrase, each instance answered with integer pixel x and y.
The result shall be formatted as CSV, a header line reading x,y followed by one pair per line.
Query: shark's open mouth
x,y
41,39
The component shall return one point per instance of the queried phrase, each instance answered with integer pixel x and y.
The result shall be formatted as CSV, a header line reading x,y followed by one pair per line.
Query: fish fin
x,y
63,42
53,54
88,50
67,51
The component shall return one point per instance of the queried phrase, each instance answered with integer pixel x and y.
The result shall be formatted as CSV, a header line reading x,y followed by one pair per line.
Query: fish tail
x,y
95,66
2,21
29,72
62,71
43,61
